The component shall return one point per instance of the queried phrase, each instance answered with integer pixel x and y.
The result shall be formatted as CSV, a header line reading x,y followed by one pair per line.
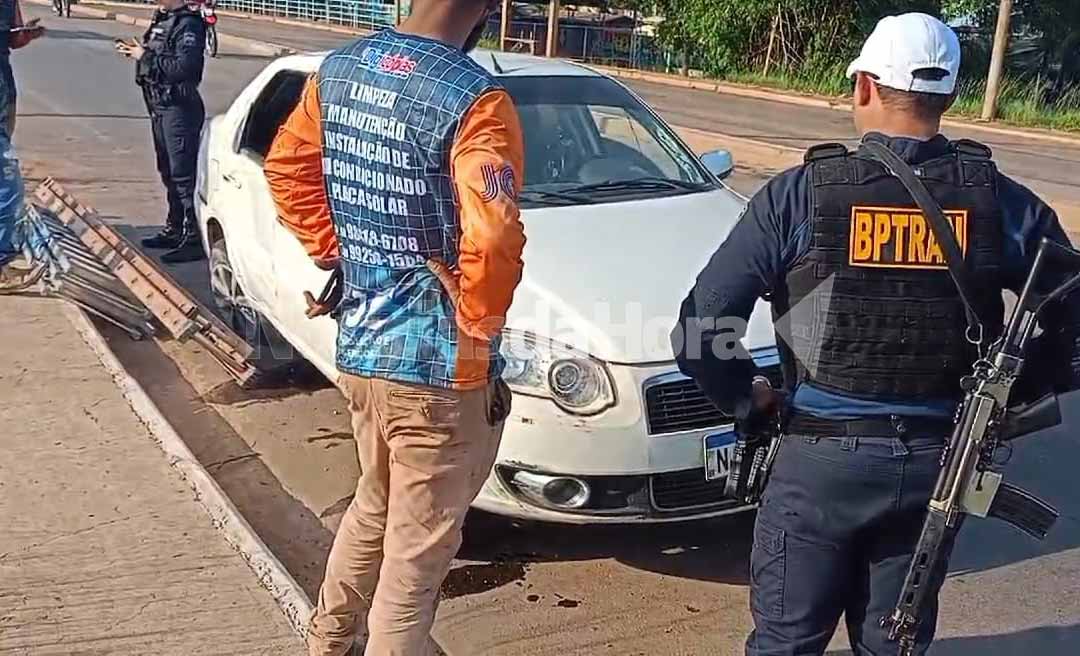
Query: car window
x,y
269,111
587,131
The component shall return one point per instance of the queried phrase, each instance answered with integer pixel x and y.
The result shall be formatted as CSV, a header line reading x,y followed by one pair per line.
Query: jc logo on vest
x,y
896,237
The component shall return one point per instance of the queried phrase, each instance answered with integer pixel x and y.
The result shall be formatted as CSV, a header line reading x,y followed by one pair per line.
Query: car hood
x,y
608,279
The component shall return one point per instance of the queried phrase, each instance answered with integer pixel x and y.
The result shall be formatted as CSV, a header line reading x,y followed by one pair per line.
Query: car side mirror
x,y
719,162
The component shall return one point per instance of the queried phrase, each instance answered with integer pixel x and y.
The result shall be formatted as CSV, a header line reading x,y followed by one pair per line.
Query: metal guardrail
x,y
361,14
88,263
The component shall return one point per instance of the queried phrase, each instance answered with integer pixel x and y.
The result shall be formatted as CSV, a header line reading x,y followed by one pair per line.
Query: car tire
x,y
272,352
211,41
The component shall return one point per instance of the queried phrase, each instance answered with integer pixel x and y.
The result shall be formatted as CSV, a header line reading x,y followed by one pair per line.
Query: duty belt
x,y
890,426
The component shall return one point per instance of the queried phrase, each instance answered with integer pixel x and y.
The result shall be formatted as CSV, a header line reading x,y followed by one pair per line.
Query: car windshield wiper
x,y
642,184
552,197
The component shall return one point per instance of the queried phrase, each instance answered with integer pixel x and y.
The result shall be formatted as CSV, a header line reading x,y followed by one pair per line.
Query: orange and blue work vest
x,y
390,107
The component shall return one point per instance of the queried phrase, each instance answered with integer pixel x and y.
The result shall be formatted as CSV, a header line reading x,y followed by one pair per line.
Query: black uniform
x,y
873,360
169,74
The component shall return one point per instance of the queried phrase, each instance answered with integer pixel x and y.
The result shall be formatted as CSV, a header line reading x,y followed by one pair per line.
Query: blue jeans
x,y
834,535
11,201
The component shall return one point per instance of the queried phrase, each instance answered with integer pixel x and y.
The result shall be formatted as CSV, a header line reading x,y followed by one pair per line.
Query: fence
x,y
363,14
625,47
594,43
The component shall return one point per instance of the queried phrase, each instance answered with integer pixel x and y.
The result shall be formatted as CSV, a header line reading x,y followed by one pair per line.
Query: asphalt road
x,y
283,452
1051,169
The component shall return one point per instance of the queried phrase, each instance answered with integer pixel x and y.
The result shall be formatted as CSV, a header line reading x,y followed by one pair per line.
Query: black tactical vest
x,y
886,320
161,37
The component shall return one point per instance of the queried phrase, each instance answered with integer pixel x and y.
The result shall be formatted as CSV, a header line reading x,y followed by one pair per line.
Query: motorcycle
x,y
210,18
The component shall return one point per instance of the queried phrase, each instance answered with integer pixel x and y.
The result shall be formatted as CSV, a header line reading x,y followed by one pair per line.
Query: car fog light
x,y
562,492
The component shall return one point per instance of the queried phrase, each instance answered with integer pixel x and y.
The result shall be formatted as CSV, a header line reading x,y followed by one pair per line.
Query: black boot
x,y
189,249
168,238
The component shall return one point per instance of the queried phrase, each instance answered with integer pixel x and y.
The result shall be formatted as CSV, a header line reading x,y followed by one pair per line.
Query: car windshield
x,y
588,140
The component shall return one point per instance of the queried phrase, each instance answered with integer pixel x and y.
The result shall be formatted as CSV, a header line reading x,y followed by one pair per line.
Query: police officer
x,y
876,346
169,69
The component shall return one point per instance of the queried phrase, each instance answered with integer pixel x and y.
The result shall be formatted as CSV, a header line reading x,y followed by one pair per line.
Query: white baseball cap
x,y
902,46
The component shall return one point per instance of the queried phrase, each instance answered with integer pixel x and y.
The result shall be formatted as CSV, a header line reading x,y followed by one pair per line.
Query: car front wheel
x,y
273,354
229,297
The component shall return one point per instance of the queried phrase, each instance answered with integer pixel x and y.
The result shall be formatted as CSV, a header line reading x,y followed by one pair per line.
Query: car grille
x,y
680,405
687,489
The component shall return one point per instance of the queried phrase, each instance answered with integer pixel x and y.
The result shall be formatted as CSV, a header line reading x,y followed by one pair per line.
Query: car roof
x,y
499,64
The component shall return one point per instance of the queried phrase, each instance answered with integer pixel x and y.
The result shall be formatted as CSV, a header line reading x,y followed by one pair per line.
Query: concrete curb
x,y
271,574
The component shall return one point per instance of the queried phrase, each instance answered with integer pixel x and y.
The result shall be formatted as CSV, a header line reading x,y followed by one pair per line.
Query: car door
x,y
298,274
283,271
244,188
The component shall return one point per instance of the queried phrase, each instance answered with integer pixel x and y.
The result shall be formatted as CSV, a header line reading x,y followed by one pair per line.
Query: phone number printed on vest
x,y
900,238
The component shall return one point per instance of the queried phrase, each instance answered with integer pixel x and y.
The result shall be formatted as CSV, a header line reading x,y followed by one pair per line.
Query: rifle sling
x,y
943,232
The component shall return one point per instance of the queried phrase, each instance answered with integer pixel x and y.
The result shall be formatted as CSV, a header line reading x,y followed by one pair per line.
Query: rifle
x,y
969,483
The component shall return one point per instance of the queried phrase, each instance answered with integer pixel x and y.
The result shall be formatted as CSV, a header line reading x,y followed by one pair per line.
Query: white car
x,y
620,217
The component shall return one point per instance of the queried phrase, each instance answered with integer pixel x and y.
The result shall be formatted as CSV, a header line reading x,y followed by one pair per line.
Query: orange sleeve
x,y
293,169
18,39
487,165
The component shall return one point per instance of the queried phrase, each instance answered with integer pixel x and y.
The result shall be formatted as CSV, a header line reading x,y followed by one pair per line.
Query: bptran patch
x,y
900,238
379,61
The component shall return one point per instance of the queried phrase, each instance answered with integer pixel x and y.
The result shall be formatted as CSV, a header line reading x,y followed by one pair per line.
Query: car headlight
x,y
576,382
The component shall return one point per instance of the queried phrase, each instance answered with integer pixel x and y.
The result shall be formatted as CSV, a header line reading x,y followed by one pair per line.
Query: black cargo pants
x,y
834,536
176,131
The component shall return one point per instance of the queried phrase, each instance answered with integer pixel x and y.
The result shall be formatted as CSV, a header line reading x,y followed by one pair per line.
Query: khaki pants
x,y
424,455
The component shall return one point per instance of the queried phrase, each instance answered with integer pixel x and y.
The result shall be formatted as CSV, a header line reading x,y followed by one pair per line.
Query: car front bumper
x,y
633,476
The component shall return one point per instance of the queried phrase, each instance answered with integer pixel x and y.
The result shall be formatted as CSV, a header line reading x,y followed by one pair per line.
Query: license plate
x,y
718,450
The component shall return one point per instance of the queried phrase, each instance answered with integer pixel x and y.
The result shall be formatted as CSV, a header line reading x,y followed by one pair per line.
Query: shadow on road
x,y
1044,465
87,117
76,35
1039,641
715,550
1043,641
293,532
231,56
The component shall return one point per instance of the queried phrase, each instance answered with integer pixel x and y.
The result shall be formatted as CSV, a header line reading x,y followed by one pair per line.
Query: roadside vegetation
x,y
1022,101
805,45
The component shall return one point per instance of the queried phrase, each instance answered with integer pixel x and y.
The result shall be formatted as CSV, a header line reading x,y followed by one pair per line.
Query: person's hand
x,y
329,298
132,50
447,278
764,397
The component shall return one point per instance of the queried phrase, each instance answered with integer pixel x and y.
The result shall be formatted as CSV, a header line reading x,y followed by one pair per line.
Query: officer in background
x,y
877,345
169,69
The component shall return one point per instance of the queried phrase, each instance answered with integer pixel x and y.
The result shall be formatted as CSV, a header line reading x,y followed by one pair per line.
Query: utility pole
x,y
553,29
504,23
997,60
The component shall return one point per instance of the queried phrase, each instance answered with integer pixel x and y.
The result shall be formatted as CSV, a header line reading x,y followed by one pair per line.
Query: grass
x,y
1020,102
